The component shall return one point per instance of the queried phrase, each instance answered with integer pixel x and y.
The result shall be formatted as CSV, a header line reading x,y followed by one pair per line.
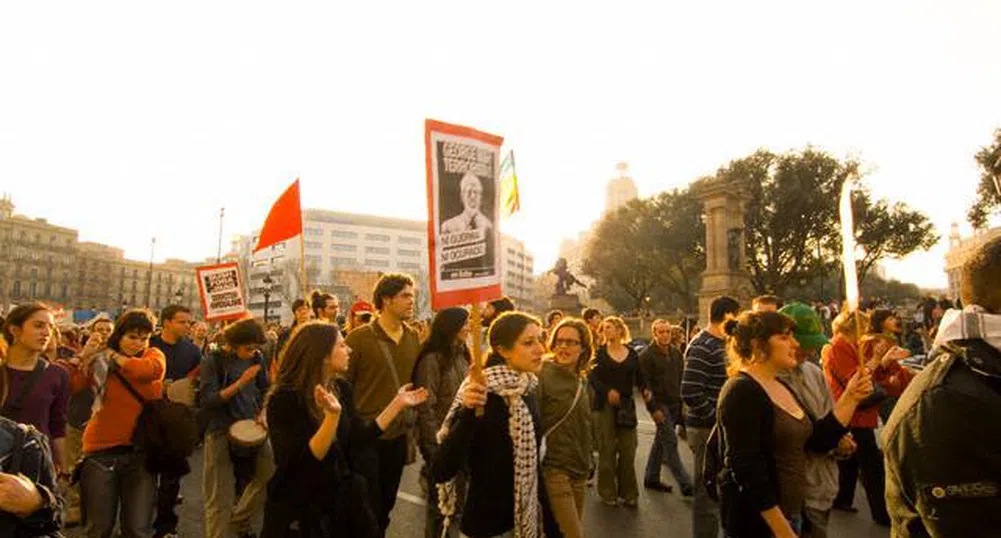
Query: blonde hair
x,y
621,326
850,323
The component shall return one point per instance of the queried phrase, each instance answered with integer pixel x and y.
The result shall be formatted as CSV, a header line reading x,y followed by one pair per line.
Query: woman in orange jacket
x,y
113,471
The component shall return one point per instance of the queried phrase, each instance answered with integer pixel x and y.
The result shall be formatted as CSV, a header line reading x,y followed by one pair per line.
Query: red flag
x,y
284,220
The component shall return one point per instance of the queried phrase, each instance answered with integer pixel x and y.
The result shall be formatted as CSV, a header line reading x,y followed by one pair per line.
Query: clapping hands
x,y
327,401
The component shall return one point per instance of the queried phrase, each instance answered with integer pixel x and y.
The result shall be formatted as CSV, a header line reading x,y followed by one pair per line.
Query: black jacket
x,y
663,370
483,446
325,497
942,446
745,417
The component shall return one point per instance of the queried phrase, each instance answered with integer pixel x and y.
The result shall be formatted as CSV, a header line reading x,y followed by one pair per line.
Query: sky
x,y
128,120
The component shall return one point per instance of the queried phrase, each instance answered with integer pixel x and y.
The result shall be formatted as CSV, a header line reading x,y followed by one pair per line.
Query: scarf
x,y
511,386
100,368
970,323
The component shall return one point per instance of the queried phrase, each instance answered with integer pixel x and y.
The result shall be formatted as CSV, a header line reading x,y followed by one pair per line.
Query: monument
x,y
726,262
562,299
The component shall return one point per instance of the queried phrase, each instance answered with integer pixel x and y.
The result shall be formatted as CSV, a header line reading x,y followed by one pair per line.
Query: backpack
x,y
166,431
30,457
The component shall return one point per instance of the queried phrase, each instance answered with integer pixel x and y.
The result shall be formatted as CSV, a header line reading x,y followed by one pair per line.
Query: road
x,y
664,515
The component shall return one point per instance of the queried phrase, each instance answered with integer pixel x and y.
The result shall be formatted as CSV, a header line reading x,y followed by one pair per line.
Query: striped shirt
x,y
705,373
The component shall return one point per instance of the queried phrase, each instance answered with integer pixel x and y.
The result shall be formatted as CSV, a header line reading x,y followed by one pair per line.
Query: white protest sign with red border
x,y
463,192
221,291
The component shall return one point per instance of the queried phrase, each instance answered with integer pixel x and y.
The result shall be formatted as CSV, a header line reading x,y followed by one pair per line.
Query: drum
x,y
247,433
182,391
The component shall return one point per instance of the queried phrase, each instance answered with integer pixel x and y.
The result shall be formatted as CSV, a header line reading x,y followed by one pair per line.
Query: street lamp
x,y
267,294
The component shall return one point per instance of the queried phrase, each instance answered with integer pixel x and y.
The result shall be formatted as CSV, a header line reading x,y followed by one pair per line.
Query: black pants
x,y
869,460
382,469
167,491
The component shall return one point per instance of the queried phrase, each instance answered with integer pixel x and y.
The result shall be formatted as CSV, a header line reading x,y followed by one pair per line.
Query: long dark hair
x,y
752,330
444,330
300,365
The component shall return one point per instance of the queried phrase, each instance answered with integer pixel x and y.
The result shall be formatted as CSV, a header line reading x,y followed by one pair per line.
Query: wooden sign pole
x,y
476,368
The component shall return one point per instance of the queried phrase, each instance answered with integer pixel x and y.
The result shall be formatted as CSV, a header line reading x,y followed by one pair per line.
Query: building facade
x,y
960,250
40,261
342,249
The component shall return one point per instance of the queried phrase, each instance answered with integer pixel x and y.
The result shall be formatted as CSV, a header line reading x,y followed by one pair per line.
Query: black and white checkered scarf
x,y
510,385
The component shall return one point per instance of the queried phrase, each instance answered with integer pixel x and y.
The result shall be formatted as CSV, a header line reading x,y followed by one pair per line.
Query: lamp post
x,y
267,294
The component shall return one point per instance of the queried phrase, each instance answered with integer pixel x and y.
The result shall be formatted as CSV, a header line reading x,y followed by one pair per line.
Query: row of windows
x,y
377,263
377,250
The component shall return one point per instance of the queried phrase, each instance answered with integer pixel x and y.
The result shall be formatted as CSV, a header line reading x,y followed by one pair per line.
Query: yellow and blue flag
x,y
510,201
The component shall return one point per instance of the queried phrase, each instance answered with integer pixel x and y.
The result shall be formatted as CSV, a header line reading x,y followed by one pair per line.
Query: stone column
x,y
726,262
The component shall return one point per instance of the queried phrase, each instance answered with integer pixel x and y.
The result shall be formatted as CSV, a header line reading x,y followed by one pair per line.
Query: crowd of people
x,y
312,425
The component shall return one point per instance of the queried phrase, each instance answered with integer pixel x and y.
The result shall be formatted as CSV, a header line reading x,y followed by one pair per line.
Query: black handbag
x,y
625,415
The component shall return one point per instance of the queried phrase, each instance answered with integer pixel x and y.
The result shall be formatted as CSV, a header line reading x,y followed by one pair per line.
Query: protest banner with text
x,y
222,291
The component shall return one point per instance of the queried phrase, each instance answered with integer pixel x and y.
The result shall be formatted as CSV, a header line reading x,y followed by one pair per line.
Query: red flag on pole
x,y
284,220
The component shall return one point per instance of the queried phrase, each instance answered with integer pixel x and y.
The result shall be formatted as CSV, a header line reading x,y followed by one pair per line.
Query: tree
x,y
989,189
792,222
651,248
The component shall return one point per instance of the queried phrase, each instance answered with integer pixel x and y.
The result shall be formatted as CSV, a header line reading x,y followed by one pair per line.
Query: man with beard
x,y
383,355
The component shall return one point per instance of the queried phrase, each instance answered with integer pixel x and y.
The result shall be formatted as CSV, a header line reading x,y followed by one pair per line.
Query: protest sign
x,y
221,291
463,214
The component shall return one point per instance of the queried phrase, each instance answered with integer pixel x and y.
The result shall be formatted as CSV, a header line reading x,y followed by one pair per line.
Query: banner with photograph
x,y
463,214
221,291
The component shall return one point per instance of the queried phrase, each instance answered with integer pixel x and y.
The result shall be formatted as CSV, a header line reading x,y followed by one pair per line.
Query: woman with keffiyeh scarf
x,y
500,449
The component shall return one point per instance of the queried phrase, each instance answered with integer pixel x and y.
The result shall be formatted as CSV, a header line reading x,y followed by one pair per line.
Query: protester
x,y
200,336
941,440
183,358
565,407
617,370
83,389
385,352
114,480
442,364
361,313
325,306
33,391
766,303
233,386
663,364
495,308
552,318
841,361
765,432
315,491
808,383
301,313
704,375
884,332
29,504
592,316
500,449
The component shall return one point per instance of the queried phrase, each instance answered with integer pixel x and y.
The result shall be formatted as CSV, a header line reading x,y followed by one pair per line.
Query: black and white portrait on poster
x,y
464,208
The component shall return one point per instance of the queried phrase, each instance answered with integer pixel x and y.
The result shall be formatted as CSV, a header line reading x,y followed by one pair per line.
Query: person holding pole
x,y
501,448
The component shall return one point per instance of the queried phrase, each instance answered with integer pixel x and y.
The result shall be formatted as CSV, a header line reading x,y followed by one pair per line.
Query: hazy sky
x,y
133,119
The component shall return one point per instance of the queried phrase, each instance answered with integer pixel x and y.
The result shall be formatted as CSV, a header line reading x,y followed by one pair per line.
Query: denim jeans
x,y
664,450
114,478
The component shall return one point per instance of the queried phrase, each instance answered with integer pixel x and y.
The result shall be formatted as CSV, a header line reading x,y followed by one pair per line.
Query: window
x,y
408,253
407,240
341,261
382,238
377,250
314,245
314,231
409,266
377,263
17,288
344,234
314,259
33,289
339,247
65,292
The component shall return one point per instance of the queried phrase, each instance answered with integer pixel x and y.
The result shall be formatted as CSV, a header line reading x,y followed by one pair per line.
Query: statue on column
x,y
565,279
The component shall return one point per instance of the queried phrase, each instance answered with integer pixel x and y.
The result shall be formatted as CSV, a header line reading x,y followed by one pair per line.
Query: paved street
x,y
664,515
